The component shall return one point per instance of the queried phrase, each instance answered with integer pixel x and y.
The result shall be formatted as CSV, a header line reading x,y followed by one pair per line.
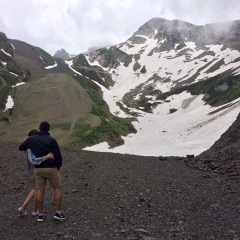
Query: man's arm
x,y
24,146
37,160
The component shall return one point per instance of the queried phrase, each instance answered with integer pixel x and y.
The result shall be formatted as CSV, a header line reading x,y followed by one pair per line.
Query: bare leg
x,y
35,208
28,199
58,198
40,199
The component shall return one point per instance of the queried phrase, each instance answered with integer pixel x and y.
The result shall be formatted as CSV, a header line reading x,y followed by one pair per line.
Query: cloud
x,y
76,25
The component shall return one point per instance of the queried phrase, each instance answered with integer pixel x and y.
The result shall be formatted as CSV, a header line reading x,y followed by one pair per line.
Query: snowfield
x,y
189,130
194,126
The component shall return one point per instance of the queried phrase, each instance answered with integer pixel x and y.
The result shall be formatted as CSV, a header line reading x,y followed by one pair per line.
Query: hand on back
x,y
50,156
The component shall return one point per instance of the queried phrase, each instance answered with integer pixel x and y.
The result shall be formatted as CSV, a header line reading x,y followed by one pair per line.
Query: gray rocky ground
x,y
116,196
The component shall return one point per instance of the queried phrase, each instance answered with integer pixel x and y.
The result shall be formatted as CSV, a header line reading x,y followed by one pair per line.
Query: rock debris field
x,y
122,197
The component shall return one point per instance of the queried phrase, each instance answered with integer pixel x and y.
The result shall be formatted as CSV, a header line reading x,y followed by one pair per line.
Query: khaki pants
x,y
50,174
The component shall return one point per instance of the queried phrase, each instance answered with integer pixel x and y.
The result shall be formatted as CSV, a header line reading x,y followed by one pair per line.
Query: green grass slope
x,y
74,106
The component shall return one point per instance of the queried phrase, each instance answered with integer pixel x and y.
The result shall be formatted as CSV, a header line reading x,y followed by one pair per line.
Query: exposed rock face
x,y
227,33
5,45
110,58
105,58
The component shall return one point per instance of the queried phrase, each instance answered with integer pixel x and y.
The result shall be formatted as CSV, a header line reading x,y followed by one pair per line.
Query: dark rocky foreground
x,y
115,196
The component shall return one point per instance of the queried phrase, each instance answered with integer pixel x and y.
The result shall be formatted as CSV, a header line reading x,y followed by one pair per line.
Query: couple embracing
x,y
44,153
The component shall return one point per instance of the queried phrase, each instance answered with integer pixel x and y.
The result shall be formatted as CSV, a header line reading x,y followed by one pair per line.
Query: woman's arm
x,y
37,160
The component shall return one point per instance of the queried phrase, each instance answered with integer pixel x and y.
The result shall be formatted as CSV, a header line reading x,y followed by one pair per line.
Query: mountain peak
x,y
226,33
62,53
160,24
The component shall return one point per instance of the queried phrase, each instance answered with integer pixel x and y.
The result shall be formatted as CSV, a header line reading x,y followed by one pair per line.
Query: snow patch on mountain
x,y
192,129
52,66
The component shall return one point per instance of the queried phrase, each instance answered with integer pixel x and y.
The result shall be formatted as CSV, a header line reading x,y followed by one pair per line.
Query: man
x,y
41,144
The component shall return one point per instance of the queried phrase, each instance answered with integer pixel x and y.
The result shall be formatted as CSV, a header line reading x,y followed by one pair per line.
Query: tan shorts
x,y
50,174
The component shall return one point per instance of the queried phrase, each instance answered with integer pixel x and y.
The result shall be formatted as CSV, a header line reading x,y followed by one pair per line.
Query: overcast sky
x,y
77,25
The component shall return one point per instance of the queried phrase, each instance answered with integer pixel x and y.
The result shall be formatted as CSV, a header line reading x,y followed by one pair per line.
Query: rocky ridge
x,y
226,33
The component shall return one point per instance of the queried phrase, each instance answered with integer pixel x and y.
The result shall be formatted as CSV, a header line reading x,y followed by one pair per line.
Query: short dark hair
x,y
32,132
44,126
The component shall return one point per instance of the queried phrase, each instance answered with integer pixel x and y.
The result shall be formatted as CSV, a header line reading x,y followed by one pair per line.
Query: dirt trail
x,y
73,113
56,98
3,82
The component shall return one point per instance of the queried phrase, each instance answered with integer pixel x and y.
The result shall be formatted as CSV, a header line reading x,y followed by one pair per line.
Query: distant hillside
x,y
50,90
